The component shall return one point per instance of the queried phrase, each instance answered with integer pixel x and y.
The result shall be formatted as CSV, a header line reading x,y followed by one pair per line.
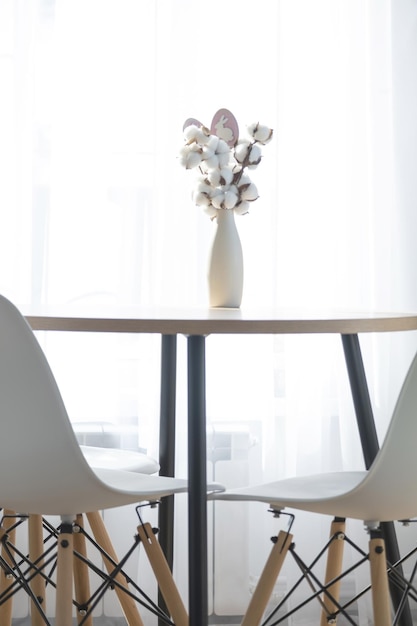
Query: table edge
x,y
223,326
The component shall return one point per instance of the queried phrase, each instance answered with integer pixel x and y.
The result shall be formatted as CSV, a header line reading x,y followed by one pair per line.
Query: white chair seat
x,y
129,484
117,459
309,493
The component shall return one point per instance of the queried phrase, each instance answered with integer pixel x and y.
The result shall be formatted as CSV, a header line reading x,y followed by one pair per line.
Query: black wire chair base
x,y
18,571
311,586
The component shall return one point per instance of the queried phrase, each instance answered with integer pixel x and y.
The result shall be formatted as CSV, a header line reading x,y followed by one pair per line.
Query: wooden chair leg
x,y
379,580
263,590
7,607
127,603
333,568
37,583
63,610
81,572
163,575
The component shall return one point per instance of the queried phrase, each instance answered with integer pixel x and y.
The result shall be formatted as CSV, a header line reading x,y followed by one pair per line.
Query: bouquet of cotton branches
x,y
222,159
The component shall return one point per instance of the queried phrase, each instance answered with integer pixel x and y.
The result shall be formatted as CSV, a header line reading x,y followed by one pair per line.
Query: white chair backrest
x,y
392,478
38,450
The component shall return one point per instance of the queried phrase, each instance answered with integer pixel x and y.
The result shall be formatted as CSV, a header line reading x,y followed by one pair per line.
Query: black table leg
x,y
167,447
370,447
197,477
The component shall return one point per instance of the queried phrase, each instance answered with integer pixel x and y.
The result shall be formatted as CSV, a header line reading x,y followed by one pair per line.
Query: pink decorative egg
x,y
225,126
191,121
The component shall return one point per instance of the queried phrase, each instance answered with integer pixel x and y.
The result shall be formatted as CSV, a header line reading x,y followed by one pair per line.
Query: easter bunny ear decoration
x,y
225,126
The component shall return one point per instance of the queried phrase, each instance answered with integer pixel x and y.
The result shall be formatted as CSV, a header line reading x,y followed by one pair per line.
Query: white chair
x,y
385,493
43,469
97,458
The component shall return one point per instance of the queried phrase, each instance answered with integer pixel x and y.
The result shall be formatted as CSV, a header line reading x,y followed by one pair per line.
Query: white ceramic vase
x,y
225,271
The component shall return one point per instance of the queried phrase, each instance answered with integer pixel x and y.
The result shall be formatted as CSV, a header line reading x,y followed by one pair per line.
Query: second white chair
x,y
385,493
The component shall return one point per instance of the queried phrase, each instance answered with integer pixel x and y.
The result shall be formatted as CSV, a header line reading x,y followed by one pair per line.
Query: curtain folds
x,y
94,206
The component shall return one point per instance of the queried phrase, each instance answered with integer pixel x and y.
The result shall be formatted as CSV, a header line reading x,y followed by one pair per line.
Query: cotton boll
x,y
226,173
252,129
242,150
216,153
212,162
202,186
222,147
196,134
223,159
210,211
260,133
214,177
242,208
230,199
210,158
244,180
249,192
203,136
207,152
190,156
191,133
217,199
213,143
220,177
255,155
201,199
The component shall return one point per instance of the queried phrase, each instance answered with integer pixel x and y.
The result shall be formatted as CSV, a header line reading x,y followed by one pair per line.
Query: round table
x,y
196,325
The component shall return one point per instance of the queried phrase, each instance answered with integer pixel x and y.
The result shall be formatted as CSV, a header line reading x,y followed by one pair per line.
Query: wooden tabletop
x,y
207,321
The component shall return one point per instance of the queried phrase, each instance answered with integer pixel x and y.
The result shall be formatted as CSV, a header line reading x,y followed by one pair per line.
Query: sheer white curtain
x,y
94,206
